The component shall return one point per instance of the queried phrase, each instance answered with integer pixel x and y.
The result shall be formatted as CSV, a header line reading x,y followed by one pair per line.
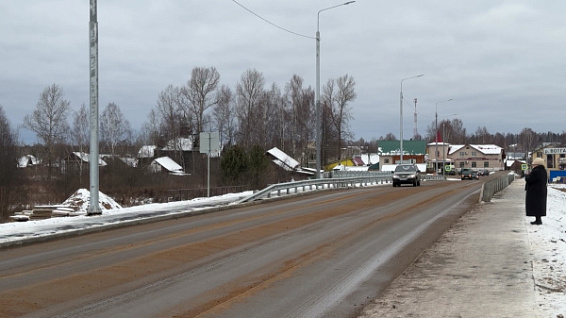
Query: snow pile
x,y
80,200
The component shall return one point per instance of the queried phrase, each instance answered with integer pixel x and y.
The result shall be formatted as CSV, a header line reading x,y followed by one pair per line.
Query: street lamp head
x,y
444,101
332,7
420,75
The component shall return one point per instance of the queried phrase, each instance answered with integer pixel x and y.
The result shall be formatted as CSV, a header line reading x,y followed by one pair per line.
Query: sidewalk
x,y
481,267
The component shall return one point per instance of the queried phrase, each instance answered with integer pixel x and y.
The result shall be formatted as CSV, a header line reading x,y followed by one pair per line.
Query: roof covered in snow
x,y
147,151
184,144
169,164
488,149
282,159
370,158
85,157
27,160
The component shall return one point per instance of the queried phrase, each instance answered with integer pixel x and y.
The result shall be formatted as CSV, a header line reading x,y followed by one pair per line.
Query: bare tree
x,y
269,121
390,137
454,131
150,134
199,95
224,116
80,134
9,177
81,130
527,139
174,123
49,120
338,94
482,135
499,139
328,131
114,128
301,117
170,113
249,93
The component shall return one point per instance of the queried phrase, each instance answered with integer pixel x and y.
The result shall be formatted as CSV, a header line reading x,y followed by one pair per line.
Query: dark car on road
x,y
466,174
406,174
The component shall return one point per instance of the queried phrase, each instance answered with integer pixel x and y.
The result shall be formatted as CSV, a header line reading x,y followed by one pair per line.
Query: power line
x,y
273,24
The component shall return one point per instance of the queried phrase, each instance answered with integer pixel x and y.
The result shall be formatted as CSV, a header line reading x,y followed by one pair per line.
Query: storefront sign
x,y
554,151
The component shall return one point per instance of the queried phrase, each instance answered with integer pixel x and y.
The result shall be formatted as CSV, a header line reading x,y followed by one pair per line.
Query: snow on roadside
x,y
548,247
17,231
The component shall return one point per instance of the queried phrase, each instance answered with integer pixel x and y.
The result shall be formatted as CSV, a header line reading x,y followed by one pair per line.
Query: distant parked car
x,y
466,174
475,175
406,174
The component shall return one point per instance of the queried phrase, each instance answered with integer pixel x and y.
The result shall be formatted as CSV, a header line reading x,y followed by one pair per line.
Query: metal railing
x,y
281,189
335,180
491,187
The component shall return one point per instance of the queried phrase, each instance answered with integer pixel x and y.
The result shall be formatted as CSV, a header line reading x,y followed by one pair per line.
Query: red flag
x,y
438,137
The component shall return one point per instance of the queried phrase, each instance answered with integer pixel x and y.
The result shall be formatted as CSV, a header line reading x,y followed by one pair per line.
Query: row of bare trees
x,y
254,113
49,121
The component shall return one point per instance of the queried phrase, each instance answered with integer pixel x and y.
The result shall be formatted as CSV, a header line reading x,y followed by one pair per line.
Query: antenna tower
x,y
415,131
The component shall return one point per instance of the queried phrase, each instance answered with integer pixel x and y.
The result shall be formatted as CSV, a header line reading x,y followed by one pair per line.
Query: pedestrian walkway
x,y
481,267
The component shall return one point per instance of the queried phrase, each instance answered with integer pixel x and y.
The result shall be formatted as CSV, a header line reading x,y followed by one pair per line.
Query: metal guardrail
x,y
432,177
491,187
337,179
287,188
386,174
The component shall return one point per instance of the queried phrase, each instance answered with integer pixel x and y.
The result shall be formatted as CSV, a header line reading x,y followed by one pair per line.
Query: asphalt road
x,y
321,255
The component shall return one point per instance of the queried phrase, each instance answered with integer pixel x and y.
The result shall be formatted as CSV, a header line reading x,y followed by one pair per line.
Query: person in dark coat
x,y
535,201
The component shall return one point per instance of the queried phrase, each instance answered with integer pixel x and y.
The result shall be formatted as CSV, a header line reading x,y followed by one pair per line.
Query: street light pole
x,y
93,205
436,153
401,114
317,91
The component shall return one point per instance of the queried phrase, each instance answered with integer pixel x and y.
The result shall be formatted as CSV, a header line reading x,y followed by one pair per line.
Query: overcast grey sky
x,y
501,61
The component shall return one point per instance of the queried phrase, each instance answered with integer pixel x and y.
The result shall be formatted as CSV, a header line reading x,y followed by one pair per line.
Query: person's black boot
x,y
537,221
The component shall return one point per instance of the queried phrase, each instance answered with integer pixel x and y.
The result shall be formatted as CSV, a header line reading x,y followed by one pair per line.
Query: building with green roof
x,y
414,151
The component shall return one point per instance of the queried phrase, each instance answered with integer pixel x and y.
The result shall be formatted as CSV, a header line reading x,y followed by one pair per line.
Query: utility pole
x,y
415,130
93,206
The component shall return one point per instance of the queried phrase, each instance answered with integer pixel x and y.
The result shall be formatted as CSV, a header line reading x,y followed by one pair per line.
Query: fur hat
x,y
538,161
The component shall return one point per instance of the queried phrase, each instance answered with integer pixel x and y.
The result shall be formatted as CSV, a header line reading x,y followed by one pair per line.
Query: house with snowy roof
x,y
287,163
491,157
79,157
147,151
182,150
166,165
28,161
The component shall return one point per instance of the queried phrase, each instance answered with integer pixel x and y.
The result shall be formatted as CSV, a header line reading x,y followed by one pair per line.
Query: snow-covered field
x,y
547,242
